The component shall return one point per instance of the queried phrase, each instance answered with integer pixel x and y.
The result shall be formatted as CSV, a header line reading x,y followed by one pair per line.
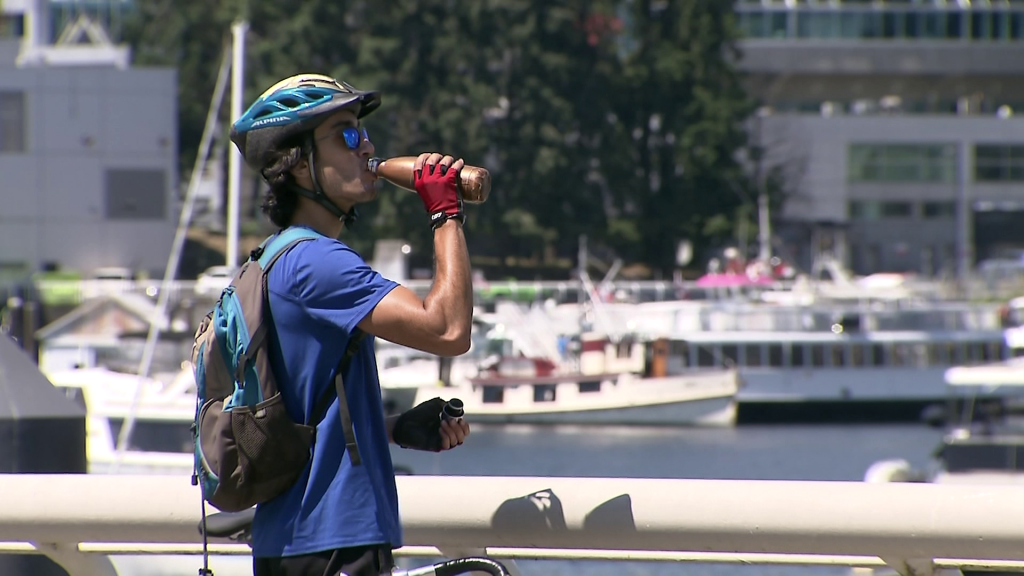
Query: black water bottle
x,y
452,410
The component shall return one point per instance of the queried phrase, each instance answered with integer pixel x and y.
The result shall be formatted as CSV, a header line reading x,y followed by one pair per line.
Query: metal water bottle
x,y
453,410
474,182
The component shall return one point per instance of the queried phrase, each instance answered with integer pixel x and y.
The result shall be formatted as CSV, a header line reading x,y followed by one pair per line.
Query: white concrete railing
x,y
915,528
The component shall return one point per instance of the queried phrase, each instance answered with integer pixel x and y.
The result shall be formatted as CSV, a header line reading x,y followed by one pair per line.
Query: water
x,y
744,453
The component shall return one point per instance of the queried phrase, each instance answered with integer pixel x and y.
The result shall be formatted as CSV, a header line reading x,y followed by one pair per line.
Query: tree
x,y
619,119
679,106
190,35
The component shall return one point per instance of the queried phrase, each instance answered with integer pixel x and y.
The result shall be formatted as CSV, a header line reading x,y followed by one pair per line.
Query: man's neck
x,y
309,213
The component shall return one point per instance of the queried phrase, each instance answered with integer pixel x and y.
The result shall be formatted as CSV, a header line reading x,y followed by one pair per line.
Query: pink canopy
x,y
731,280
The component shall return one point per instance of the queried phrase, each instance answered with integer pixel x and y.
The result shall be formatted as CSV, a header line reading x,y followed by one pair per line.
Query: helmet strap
x,y
317,194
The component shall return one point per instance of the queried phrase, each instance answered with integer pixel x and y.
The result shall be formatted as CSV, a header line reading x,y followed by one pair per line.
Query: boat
x,y
983,438
625,382
852,362
161,414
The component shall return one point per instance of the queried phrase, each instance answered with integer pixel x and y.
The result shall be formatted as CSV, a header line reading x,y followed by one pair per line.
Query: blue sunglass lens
x,y
354,137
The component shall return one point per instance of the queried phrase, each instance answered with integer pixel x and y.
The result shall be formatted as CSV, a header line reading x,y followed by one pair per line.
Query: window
x,y
798,355
871,210
730,354
902,163
134,194
817,355
544,392
897,210
878,355
1016,25
680,350
864,210
939,209
494,394
857,358
12,122
753,354
12,26
999,162
838,355
889,19
817,24
623,349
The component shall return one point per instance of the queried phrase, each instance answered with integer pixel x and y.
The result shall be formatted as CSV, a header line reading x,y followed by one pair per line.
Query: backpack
x,y
248,450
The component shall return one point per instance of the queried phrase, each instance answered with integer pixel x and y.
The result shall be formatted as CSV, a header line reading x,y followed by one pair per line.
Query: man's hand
x,y
453,433
422,428
435,178
440,323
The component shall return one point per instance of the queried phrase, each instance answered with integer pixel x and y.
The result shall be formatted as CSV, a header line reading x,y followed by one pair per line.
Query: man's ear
x,y
299,170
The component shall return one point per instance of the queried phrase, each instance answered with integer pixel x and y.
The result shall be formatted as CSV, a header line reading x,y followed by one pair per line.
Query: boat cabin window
x,y
680,350
590,386
975,352
623,349
877,355
838,354
544,392
857,355
706,357
938,354
900,355
730,354
845,354
817,355
798,355
752,355
493,394
995,350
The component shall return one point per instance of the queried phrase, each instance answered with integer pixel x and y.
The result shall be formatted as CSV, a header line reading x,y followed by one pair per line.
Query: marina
x,y
801,352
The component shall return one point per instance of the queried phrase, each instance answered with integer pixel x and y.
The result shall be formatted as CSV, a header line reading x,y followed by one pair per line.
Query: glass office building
x,y
898,124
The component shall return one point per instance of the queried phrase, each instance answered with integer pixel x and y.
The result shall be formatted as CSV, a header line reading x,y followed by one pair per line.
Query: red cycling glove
x,y
439,191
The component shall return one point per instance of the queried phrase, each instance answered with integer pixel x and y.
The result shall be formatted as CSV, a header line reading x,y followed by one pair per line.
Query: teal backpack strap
x,y
266,255
274,246
269,251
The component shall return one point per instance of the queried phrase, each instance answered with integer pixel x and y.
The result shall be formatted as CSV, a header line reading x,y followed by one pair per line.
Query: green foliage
x,y
619,119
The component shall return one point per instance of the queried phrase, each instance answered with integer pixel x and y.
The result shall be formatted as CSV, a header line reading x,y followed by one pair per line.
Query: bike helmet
x,y
292,107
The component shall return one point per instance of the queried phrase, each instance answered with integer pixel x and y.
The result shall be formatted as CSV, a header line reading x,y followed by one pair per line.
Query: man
x,y
303,136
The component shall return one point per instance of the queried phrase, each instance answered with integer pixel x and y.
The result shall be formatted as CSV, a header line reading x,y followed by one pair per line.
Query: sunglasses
x,y
354,137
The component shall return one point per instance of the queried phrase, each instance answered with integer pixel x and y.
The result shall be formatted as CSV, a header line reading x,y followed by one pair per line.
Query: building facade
x,y
899,124
88,150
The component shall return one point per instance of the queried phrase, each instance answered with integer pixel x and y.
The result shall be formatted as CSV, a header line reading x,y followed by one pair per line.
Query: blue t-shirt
x,y
319,291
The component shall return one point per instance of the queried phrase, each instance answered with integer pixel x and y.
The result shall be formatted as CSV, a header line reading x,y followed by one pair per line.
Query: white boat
x,y
402,371
626,383
863,362
830,376
161,437
983,442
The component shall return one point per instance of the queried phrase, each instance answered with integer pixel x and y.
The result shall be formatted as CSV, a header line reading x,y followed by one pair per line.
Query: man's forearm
x,y
451,294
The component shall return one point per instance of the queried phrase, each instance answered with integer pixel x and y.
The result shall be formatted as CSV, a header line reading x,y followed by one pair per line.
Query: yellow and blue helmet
x,y
291,107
